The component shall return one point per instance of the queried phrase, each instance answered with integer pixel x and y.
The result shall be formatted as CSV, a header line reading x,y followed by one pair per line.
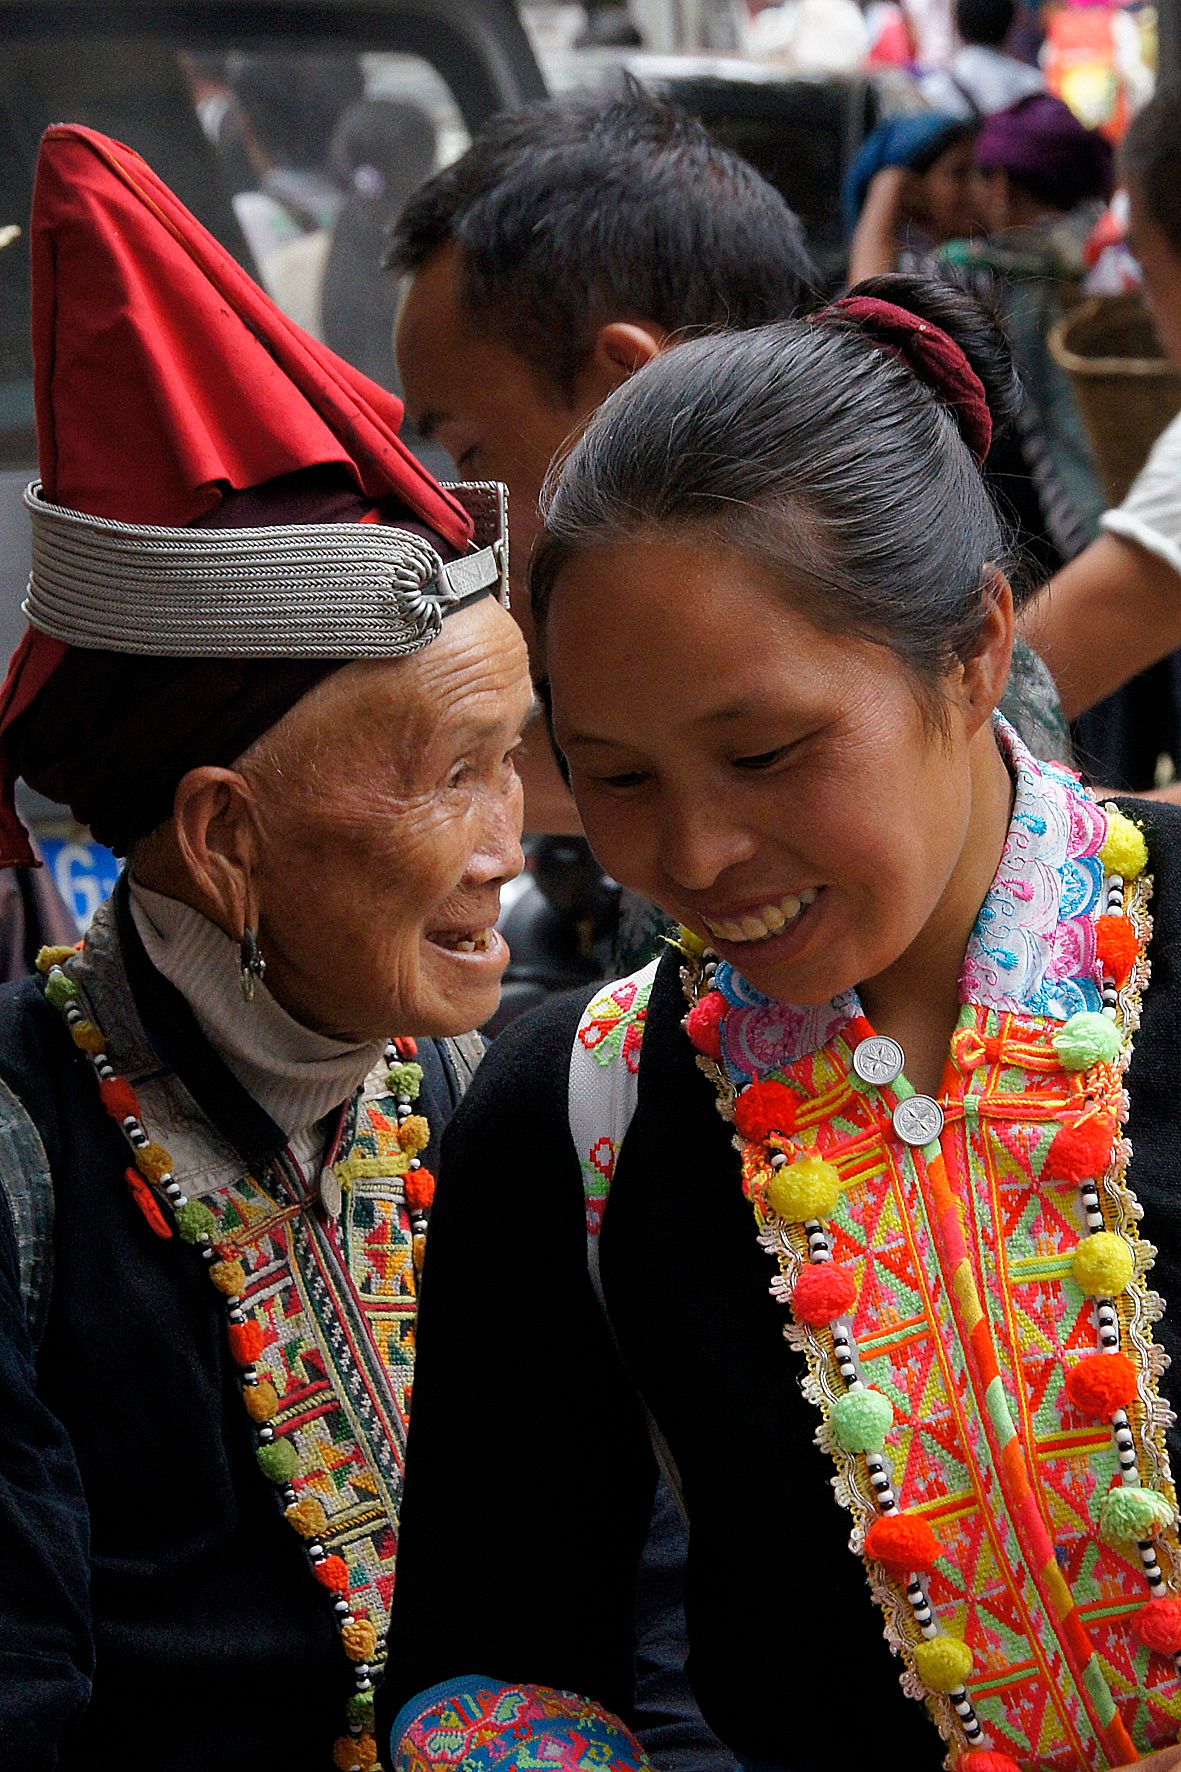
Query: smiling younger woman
x,y
864,1125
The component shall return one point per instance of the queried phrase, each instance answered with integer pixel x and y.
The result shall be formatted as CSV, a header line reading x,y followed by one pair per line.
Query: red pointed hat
x,y
171,391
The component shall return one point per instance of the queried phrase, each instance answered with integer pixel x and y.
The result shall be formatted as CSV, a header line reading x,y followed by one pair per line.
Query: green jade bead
x,y
861,1421
279,1461
194,1220
1087,1039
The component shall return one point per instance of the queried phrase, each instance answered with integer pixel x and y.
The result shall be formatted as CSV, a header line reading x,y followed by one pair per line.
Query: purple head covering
x,y
1041,144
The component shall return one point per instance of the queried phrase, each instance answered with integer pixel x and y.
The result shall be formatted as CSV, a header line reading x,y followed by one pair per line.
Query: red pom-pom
x,y
420,1190
1158,1626
246,1342
1102,1383
765,1108
822,1293
986,1759
902,1542
703,1024
148,1204
119,1098
332,1573
406,1048
1081,1151
1118,947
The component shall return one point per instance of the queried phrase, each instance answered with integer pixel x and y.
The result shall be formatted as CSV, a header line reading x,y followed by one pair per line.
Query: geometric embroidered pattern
x,y
478,1725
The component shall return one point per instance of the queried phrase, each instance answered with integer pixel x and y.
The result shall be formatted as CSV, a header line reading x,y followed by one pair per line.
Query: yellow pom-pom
x,y
414,1134
308,1517
50,957
353,1751
943,1663
1125,851
229,1277
359,1639
154,1163
87,1036
690,944
807,1188
262,1404
1102,1265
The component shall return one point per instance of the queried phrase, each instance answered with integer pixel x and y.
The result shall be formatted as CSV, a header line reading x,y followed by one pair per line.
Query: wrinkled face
x,y
1161,266
773,786
388,829
948,194
482,402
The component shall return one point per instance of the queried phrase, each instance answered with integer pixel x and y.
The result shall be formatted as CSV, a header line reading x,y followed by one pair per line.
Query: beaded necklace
x,y
170,1213
796,1189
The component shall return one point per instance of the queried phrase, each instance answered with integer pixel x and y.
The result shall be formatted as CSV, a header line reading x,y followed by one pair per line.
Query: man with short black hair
x,y
572,241
982,76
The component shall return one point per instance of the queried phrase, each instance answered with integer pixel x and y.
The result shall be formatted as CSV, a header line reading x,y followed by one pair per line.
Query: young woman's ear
x,y
985,671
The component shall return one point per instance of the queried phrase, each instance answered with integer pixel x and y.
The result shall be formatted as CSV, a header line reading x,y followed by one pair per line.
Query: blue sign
x,y
84,873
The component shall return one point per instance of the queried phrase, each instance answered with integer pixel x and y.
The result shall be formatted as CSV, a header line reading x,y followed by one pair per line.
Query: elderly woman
x,y
217,1131
866,1125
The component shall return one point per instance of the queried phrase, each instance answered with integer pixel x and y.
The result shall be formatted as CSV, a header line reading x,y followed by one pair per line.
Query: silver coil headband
x,y
301,590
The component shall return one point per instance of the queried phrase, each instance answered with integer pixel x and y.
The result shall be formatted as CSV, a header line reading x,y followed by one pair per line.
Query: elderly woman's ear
x,y
215,835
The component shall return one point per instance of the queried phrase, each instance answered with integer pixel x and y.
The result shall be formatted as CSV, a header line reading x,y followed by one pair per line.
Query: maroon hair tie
x,y
930,354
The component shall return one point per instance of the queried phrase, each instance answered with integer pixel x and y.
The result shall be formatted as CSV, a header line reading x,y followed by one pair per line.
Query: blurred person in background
x,y
908,191
982,75
1116,608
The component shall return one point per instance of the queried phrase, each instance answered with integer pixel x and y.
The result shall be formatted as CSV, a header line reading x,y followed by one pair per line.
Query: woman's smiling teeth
x,y
770,919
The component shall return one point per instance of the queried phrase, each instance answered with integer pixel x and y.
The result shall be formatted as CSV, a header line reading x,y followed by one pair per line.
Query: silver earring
x,y
252,966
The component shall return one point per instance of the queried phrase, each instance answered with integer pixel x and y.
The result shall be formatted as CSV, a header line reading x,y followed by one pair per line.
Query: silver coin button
x,y
918,1120
878,1060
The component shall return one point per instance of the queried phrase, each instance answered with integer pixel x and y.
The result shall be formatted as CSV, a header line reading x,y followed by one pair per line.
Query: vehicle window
x,y
297,160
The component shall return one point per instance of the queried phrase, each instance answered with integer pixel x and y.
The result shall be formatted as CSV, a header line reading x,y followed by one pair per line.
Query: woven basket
x,y
1127,391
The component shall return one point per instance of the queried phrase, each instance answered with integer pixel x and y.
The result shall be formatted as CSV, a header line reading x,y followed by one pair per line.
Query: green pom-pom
x,y
1087,1039
279,1461
861,1420
194,1220
405,1079
60,989
1130,1515
359,1708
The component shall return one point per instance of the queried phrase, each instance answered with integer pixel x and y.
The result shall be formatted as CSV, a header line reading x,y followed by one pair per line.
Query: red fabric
x,y
933,356
29,670
137,311
765,1108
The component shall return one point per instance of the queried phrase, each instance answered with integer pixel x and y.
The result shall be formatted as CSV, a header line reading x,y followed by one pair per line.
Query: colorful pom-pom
x,y
1082,1150
119,1098
54,956
405,1046
808,1188
307,1517
986,1759
278,1461
247,1341
153,1161
691,944
823,1292
1158,1625
359,1639
355,1753
194,1220
861,1421
902,1542
1130,1515
405,1080
766,1108
943,1663
60,989
148,1204
414,1134
1087,1038
420,1190
1102,1383
703,1024
1125,852
1118,947
1102,1265
87,1037
229,1277
332,1573
359,1708
262,1401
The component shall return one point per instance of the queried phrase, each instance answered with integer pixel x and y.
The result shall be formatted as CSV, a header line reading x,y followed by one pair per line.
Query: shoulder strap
x,y
27,1185
465,1052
